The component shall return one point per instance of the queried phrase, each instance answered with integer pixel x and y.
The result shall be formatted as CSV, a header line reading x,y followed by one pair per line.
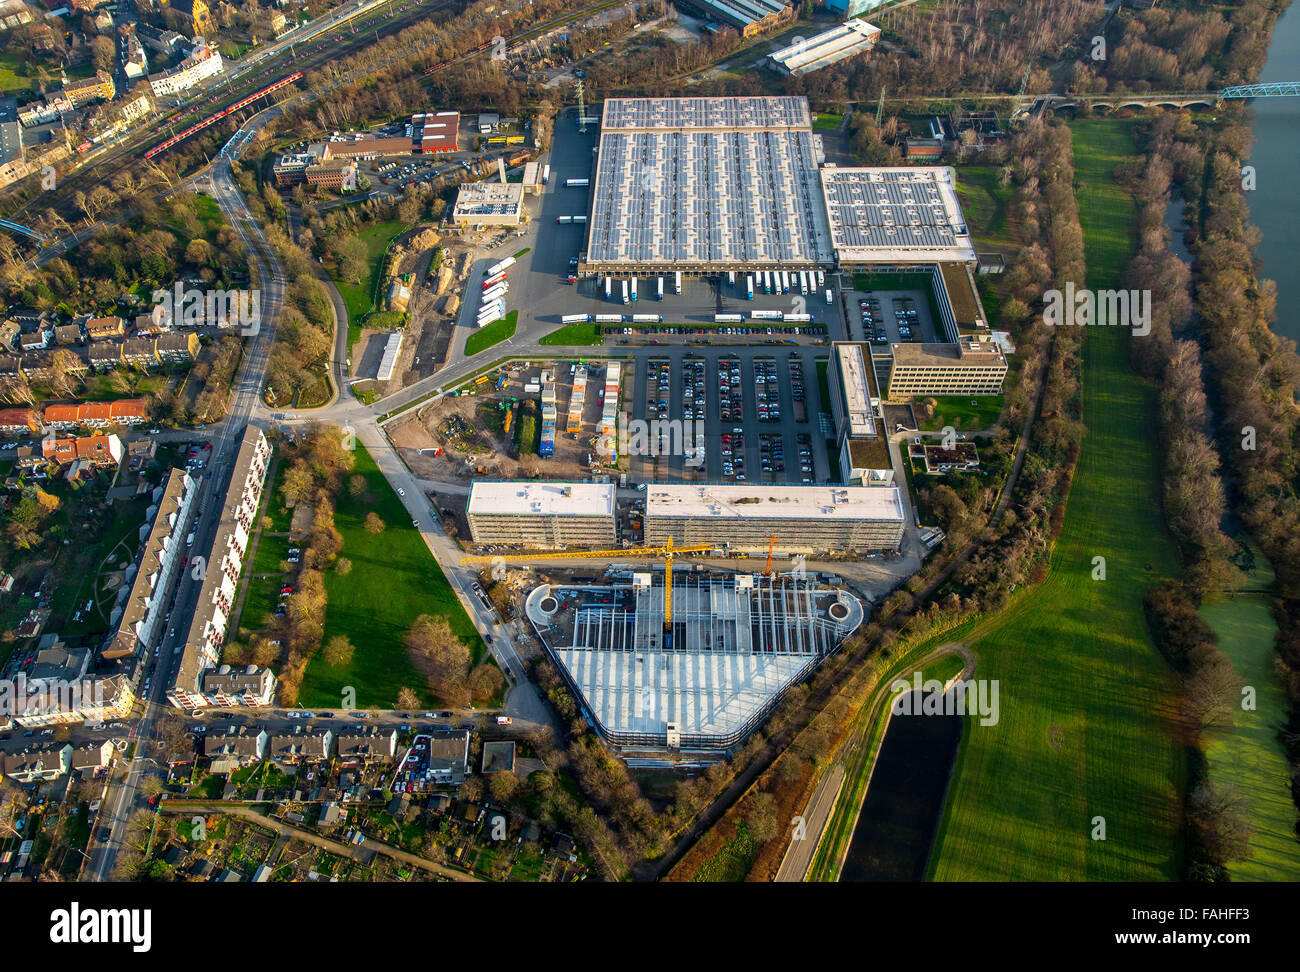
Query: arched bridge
x,y
1161,99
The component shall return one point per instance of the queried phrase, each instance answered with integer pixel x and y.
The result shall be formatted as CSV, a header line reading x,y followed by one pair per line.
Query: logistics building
x,y
706,185
697,688
542,514
743,518
863,445
849,38
481,204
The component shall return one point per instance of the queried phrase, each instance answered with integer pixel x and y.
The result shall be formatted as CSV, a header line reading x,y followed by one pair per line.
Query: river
x,y
1275,202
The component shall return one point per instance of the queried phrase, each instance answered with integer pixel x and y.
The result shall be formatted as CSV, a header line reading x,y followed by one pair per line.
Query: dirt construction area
x,y
494,431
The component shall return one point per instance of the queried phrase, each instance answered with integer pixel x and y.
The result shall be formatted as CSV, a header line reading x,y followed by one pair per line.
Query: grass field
x,y
1250,756
360,298
1086,701
965,413
490,334
394,579
985,204
573,335
827,121
11,78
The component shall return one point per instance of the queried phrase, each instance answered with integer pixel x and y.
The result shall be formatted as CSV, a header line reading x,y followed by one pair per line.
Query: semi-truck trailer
x,y
577,183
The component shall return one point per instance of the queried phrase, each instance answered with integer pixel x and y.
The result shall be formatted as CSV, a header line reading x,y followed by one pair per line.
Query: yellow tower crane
x,y
667,551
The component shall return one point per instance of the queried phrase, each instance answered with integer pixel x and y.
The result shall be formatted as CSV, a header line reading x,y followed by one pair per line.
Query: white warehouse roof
x,y
849,38
896,214
756,501
541,499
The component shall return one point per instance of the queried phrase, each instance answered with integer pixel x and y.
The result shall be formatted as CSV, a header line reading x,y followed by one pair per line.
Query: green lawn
x,y
964,413
985,203
1086,701
573,335
491,334
361,298
827,121
11,78
1250,757
394,579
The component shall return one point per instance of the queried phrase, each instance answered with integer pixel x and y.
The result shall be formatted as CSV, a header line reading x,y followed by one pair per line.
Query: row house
x,y
50,763
251,685
41,365
19,421
138,622
235,749
144,353
68,335
101,451
93,700
295,748
106,328
358,747
97,415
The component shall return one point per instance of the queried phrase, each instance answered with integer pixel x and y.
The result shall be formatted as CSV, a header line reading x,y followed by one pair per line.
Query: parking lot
x,y
758,409
892,317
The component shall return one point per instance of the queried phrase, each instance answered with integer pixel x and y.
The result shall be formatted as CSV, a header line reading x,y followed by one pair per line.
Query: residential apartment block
x,y
225,562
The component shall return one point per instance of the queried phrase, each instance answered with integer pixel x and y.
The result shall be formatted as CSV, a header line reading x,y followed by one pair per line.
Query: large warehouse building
x,y
830,47
743,518
706,185
736,642
542,515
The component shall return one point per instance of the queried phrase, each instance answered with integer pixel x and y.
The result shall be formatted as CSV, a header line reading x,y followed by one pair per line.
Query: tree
x,y
343,566
762,818
502,786
407,699
374,524
440,656
339,651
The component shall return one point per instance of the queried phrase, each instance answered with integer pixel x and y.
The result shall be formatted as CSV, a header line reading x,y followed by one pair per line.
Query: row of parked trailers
x,y
629,291
779,316
612,319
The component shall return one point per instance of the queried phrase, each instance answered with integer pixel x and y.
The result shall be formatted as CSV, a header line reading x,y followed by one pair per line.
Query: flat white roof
x,y
857,395
758,501
541,499
706,693
896,213
836,44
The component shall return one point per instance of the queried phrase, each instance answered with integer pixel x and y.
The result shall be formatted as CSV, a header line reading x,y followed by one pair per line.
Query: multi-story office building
x,y
969,367
542,515
804,519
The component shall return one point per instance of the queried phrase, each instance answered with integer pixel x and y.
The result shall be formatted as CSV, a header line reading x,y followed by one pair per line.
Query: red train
x,y
460,57
213,119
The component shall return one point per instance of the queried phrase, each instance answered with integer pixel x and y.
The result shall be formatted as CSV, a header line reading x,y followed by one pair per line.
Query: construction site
x,y
678,667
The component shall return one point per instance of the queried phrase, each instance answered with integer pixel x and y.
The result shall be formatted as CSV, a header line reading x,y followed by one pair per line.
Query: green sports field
x,y
1086,701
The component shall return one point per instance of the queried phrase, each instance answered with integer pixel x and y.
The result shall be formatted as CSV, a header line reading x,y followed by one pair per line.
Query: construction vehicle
x,y
667,552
